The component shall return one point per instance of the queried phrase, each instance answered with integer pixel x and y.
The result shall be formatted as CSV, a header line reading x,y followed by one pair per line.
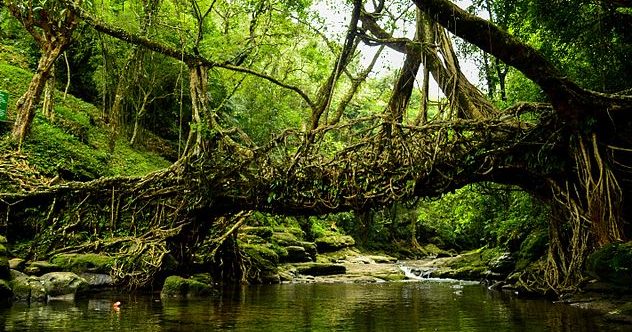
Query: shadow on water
x,y
406,306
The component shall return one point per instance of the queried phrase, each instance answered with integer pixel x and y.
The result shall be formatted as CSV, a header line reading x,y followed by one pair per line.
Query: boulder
x,y
78,263
27,288
97,280
334,243
612,263
320,269
296,254
63,285
176,286
262,232
383,259
310,249
285,239
40,267
17,264
502,264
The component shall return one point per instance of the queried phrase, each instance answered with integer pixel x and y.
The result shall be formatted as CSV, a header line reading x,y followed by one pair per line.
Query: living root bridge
x,y
141,219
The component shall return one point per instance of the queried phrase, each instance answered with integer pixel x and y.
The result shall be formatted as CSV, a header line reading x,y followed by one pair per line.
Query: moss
x,y
262,232
612,263
334,242
532,248
176,286
84,262
75,145
262,254
285,239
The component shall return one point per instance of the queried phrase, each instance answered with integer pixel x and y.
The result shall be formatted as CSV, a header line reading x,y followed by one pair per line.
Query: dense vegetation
x,y
165,126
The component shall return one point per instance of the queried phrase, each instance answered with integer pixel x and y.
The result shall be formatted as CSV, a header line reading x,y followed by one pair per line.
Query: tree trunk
x,y
25,106
49,96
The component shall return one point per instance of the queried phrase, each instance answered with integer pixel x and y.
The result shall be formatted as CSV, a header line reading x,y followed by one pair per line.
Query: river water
x,y
397,306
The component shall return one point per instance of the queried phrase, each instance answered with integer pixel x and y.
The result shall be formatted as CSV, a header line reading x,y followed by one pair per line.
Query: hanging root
x,y
586,218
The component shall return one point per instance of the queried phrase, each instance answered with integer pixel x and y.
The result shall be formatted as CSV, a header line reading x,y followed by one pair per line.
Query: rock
x,y
97,280
320,269
17,264
176,286
310,249
63,285
612,263
502,264
383,259
262,232
40,267
263,255
285,239
334,243
27,288
296,254
78,263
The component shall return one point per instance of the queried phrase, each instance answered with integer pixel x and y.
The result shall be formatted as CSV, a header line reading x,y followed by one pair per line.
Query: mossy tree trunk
x,y
25,106
52,26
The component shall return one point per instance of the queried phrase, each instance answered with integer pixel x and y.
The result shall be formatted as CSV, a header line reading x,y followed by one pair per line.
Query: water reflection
x,y
412,306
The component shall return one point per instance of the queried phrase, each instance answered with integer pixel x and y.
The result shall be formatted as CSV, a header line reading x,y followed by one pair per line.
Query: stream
x,y
428,305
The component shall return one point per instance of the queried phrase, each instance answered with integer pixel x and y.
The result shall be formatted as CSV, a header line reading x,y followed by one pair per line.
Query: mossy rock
x,y
262,232
40,267
334,243
532,248
176,286
296,231
63,284
262,254
296,254
612,263
17,264
285,239
93,263
252,239
310,248
320,269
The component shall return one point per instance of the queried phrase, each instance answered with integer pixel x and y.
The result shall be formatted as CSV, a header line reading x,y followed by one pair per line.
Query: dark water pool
x,y
407,306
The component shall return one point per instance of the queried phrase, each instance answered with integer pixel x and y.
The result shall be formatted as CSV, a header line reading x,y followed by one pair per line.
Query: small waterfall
x,y
417,273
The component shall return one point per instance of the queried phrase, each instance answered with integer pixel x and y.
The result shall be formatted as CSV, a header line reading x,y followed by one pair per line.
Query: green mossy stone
x,y
78,263
285,239
63,283
176,286
40,267
262,255
17,264
262,232
334,243
612,263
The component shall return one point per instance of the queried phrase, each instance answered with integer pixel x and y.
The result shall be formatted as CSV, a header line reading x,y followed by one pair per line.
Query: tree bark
x,y
25,106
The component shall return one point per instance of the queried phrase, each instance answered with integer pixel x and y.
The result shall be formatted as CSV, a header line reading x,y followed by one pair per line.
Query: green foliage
x,y
74,146
612,263
475,216
84,262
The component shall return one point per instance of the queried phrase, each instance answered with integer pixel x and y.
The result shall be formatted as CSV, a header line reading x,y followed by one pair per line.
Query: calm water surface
x,y
407,306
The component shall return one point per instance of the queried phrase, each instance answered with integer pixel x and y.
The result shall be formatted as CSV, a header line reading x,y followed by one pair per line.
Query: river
x,y
396,306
